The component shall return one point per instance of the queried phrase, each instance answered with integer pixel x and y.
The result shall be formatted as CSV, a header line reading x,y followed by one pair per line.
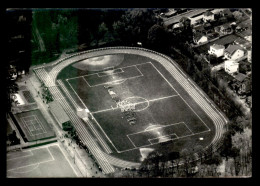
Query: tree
x,y
158,38
133,26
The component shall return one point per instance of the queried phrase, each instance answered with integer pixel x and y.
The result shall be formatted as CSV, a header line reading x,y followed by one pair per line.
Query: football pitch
x,y
162,113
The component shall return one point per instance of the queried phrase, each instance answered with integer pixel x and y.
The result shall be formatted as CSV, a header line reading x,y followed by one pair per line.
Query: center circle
x,y
140,103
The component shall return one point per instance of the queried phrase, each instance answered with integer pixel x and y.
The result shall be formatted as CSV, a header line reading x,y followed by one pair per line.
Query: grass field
x,y
164,111
34,125
45,161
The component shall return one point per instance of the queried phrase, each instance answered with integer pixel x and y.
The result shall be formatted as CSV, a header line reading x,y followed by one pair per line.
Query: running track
x,y
104,159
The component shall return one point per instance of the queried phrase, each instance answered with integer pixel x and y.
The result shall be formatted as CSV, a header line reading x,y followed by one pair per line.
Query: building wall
x,y
208,18
217,52
203,39
238,54
231,67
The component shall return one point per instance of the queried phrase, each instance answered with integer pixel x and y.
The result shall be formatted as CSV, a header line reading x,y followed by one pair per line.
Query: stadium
x,y
134,101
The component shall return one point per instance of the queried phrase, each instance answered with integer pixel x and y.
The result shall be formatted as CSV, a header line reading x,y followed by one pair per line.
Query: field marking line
x,y
110,74
68,94
141,102
76,93
50,153
158,143
104,132
41,125
30,165
114,69
157,99
131,142
139,70
26,127
188,127
180,96
111,82
68,160
164,136
156,128
164,78
32,115
33,163
20,156
36,166
150,139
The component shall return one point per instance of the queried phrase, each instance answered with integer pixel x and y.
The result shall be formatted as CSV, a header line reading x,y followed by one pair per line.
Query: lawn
x,y
159,101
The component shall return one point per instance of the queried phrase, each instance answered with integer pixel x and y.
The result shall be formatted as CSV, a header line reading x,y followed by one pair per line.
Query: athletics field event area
x,y
135,99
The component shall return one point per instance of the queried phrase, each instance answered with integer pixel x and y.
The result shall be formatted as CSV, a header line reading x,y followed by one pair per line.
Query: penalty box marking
x,y
156,128
161,142
110,73
151,139
38,163
141,74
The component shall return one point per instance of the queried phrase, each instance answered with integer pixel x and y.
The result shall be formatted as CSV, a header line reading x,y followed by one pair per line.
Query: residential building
x,y
208,16
231,66
245,44
217,50
249,56
234,52
199,38
225,29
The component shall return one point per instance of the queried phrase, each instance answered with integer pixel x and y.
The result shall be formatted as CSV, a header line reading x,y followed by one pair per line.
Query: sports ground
x,y
33,125
169,110
46,161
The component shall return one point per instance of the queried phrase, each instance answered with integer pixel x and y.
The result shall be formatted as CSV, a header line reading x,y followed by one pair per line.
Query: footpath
x,y
78,157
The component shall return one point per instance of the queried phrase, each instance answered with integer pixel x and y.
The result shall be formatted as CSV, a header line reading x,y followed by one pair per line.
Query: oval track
x,y
103,157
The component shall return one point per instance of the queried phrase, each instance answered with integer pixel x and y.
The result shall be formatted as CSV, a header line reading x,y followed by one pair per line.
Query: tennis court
x,y
33,125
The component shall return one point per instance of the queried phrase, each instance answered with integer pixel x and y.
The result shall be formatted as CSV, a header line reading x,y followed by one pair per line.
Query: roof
x,y
226,11
176,19
184,19
240,41
240,77
217,47
199,28
208,13
232,48
225,26
58,112
198,35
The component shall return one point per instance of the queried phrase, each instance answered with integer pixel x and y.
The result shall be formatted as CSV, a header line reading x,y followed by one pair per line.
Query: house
x,y
225,29
199,38
199,29
245,44
217,50
249,56
231,66
208,16
185,21
225,12
234,52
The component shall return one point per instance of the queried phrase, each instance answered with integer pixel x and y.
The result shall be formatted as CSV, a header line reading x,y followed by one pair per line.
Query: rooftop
x,y
208,13
240,77
232,48
217,47
58,112
198,35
